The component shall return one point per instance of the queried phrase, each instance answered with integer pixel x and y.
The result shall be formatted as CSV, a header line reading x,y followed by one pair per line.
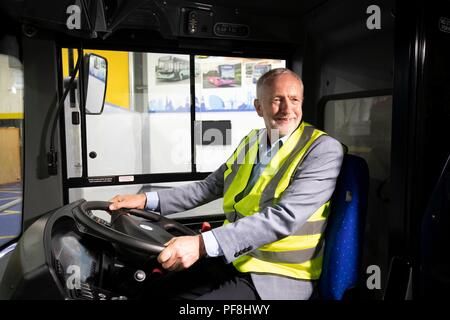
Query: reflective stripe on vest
x,y
300,254
238,163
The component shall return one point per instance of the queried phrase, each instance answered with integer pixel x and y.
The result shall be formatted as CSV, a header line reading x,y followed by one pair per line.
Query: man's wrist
x,y
145,201
201,246
152,201
212,247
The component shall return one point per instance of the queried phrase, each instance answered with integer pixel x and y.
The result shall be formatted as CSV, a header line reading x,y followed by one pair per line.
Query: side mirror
x,y
95,75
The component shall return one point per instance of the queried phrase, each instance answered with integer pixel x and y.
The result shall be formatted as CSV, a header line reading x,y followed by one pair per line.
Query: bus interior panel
x,y
175,82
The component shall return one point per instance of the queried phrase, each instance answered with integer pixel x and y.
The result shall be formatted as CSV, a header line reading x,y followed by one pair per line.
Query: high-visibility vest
x,y
300,254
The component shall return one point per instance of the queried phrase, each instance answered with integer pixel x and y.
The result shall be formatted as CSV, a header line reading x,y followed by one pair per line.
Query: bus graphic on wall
x,y
172,68
259,69
226,75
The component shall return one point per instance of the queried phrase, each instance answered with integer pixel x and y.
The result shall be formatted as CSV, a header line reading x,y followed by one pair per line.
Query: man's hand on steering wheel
x,y
130,201
148,234
182,252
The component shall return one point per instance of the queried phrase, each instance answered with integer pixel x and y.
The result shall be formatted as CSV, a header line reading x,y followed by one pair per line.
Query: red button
x,y
205,227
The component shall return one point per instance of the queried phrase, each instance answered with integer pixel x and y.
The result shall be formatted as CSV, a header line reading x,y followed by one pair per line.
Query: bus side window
x,y
364,126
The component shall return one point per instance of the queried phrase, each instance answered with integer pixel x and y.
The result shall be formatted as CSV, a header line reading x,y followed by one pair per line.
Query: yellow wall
x,y
9,155
118,82
11,90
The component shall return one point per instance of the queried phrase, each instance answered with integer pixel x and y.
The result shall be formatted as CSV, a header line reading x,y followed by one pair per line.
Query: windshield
x,y
149,114
11,124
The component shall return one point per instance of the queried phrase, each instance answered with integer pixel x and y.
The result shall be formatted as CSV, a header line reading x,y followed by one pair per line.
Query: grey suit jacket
x,y
312,186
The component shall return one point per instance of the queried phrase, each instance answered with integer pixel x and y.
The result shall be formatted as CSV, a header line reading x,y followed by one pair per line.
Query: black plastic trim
x,y
85,182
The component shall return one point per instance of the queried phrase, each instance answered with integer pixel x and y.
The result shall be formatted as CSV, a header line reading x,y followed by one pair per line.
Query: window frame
x,y
15,120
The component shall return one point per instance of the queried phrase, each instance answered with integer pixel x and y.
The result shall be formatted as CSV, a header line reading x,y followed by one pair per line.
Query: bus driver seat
x,y
344,233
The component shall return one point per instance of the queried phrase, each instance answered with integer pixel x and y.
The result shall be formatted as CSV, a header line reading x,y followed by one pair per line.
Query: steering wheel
x,y
146,236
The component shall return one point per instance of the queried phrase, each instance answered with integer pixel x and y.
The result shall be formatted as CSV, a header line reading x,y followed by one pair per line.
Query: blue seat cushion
x,y
345,230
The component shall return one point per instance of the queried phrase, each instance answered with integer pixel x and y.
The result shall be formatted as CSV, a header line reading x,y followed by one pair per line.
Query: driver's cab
x,y
129,117
135,133
101,98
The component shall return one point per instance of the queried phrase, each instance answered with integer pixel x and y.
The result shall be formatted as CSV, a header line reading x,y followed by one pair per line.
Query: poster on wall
x,y
223,76
172,69
229,83
168,82
222,84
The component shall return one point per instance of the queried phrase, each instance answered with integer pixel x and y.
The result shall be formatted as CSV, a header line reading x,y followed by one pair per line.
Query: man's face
x,y
280,104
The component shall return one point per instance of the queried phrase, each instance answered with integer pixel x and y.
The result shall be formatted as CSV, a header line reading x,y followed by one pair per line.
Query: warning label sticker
x,y
101,180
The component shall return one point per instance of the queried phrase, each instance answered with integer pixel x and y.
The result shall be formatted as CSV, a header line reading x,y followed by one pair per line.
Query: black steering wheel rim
x,y
81,215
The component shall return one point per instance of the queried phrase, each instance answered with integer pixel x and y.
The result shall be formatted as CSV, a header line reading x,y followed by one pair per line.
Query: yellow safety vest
x,y
300,254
